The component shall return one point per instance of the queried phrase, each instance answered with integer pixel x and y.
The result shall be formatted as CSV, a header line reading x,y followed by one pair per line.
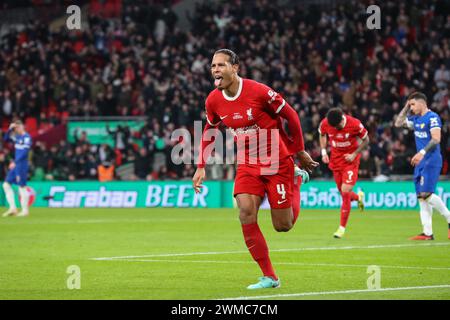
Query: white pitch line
x,y
277,250
104,221
333,265
320,293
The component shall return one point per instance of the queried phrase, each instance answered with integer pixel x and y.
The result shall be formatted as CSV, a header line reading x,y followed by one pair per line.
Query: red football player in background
x,y
342,132
253,111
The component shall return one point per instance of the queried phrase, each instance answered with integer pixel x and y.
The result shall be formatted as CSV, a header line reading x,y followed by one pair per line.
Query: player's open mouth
x,y
218,80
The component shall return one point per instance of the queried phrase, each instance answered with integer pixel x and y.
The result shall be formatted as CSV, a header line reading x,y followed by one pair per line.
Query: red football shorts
x,y
347,175
278,187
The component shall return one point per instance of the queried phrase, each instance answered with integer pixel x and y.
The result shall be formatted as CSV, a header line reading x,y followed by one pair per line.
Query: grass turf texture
x,y
36,251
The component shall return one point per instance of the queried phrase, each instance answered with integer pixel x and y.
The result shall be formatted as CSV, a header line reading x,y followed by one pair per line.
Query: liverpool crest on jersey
x,y
249,114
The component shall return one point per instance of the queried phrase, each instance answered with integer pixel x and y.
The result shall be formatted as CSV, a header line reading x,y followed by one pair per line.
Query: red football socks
x,y
345,208
257,246
353,196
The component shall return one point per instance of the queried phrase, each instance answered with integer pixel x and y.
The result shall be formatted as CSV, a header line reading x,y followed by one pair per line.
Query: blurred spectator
x,y
3,166
442,77
105,171
367,167
215,170
121,137
142,165
105,153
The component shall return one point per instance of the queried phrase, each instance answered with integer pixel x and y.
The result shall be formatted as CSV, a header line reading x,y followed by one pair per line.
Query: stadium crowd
x,y
144,65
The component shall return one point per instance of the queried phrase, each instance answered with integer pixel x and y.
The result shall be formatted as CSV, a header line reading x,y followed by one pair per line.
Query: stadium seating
x,y
146,64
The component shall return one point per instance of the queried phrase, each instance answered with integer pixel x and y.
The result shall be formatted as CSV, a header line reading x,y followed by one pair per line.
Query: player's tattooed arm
x,y
363,144
9,135
434,142
401,120
351,156
431,145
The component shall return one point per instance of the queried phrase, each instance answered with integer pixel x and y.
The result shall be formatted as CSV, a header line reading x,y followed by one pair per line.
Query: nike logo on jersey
x,y
283,201
221,118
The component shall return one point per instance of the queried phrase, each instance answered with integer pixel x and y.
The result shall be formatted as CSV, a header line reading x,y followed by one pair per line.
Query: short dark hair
x,y
234,59
334,116
417,96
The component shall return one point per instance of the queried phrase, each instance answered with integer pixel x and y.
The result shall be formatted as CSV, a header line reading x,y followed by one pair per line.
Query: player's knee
x,y
424,195
283,226
346,188
247,215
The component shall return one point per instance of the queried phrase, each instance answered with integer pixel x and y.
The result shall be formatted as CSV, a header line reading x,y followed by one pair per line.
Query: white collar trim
x,y
237,94
345,121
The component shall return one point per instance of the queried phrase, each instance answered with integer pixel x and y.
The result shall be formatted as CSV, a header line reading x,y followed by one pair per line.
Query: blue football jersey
x,y
423,125
22,145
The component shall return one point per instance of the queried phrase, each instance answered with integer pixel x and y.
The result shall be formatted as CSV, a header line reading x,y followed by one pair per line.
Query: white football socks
x,y
9,193
24,198
437,203
426,213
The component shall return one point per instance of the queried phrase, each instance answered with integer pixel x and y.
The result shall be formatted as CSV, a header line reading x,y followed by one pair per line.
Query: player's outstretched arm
x,y
198,178
401,120
306,162
200,174
298,145
295,128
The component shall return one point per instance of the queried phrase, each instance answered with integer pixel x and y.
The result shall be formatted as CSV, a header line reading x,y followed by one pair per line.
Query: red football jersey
x,y
343,141
252,117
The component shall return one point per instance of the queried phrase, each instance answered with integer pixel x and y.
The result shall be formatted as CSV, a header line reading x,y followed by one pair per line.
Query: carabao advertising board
x,y
215,194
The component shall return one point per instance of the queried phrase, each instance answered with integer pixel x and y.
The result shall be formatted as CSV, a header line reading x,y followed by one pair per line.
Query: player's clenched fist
x,y
416,159
350,157
325,158
198,178
306,161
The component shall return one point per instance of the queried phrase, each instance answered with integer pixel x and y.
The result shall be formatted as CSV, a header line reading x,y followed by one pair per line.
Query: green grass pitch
x,y
200,254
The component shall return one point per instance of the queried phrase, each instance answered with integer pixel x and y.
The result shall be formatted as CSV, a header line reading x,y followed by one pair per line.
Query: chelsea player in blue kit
x,y
427,161
18,169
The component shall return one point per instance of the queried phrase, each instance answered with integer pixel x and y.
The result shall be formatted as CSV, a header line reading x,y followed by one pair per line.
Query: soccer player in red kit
x,y
253,112
342,132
